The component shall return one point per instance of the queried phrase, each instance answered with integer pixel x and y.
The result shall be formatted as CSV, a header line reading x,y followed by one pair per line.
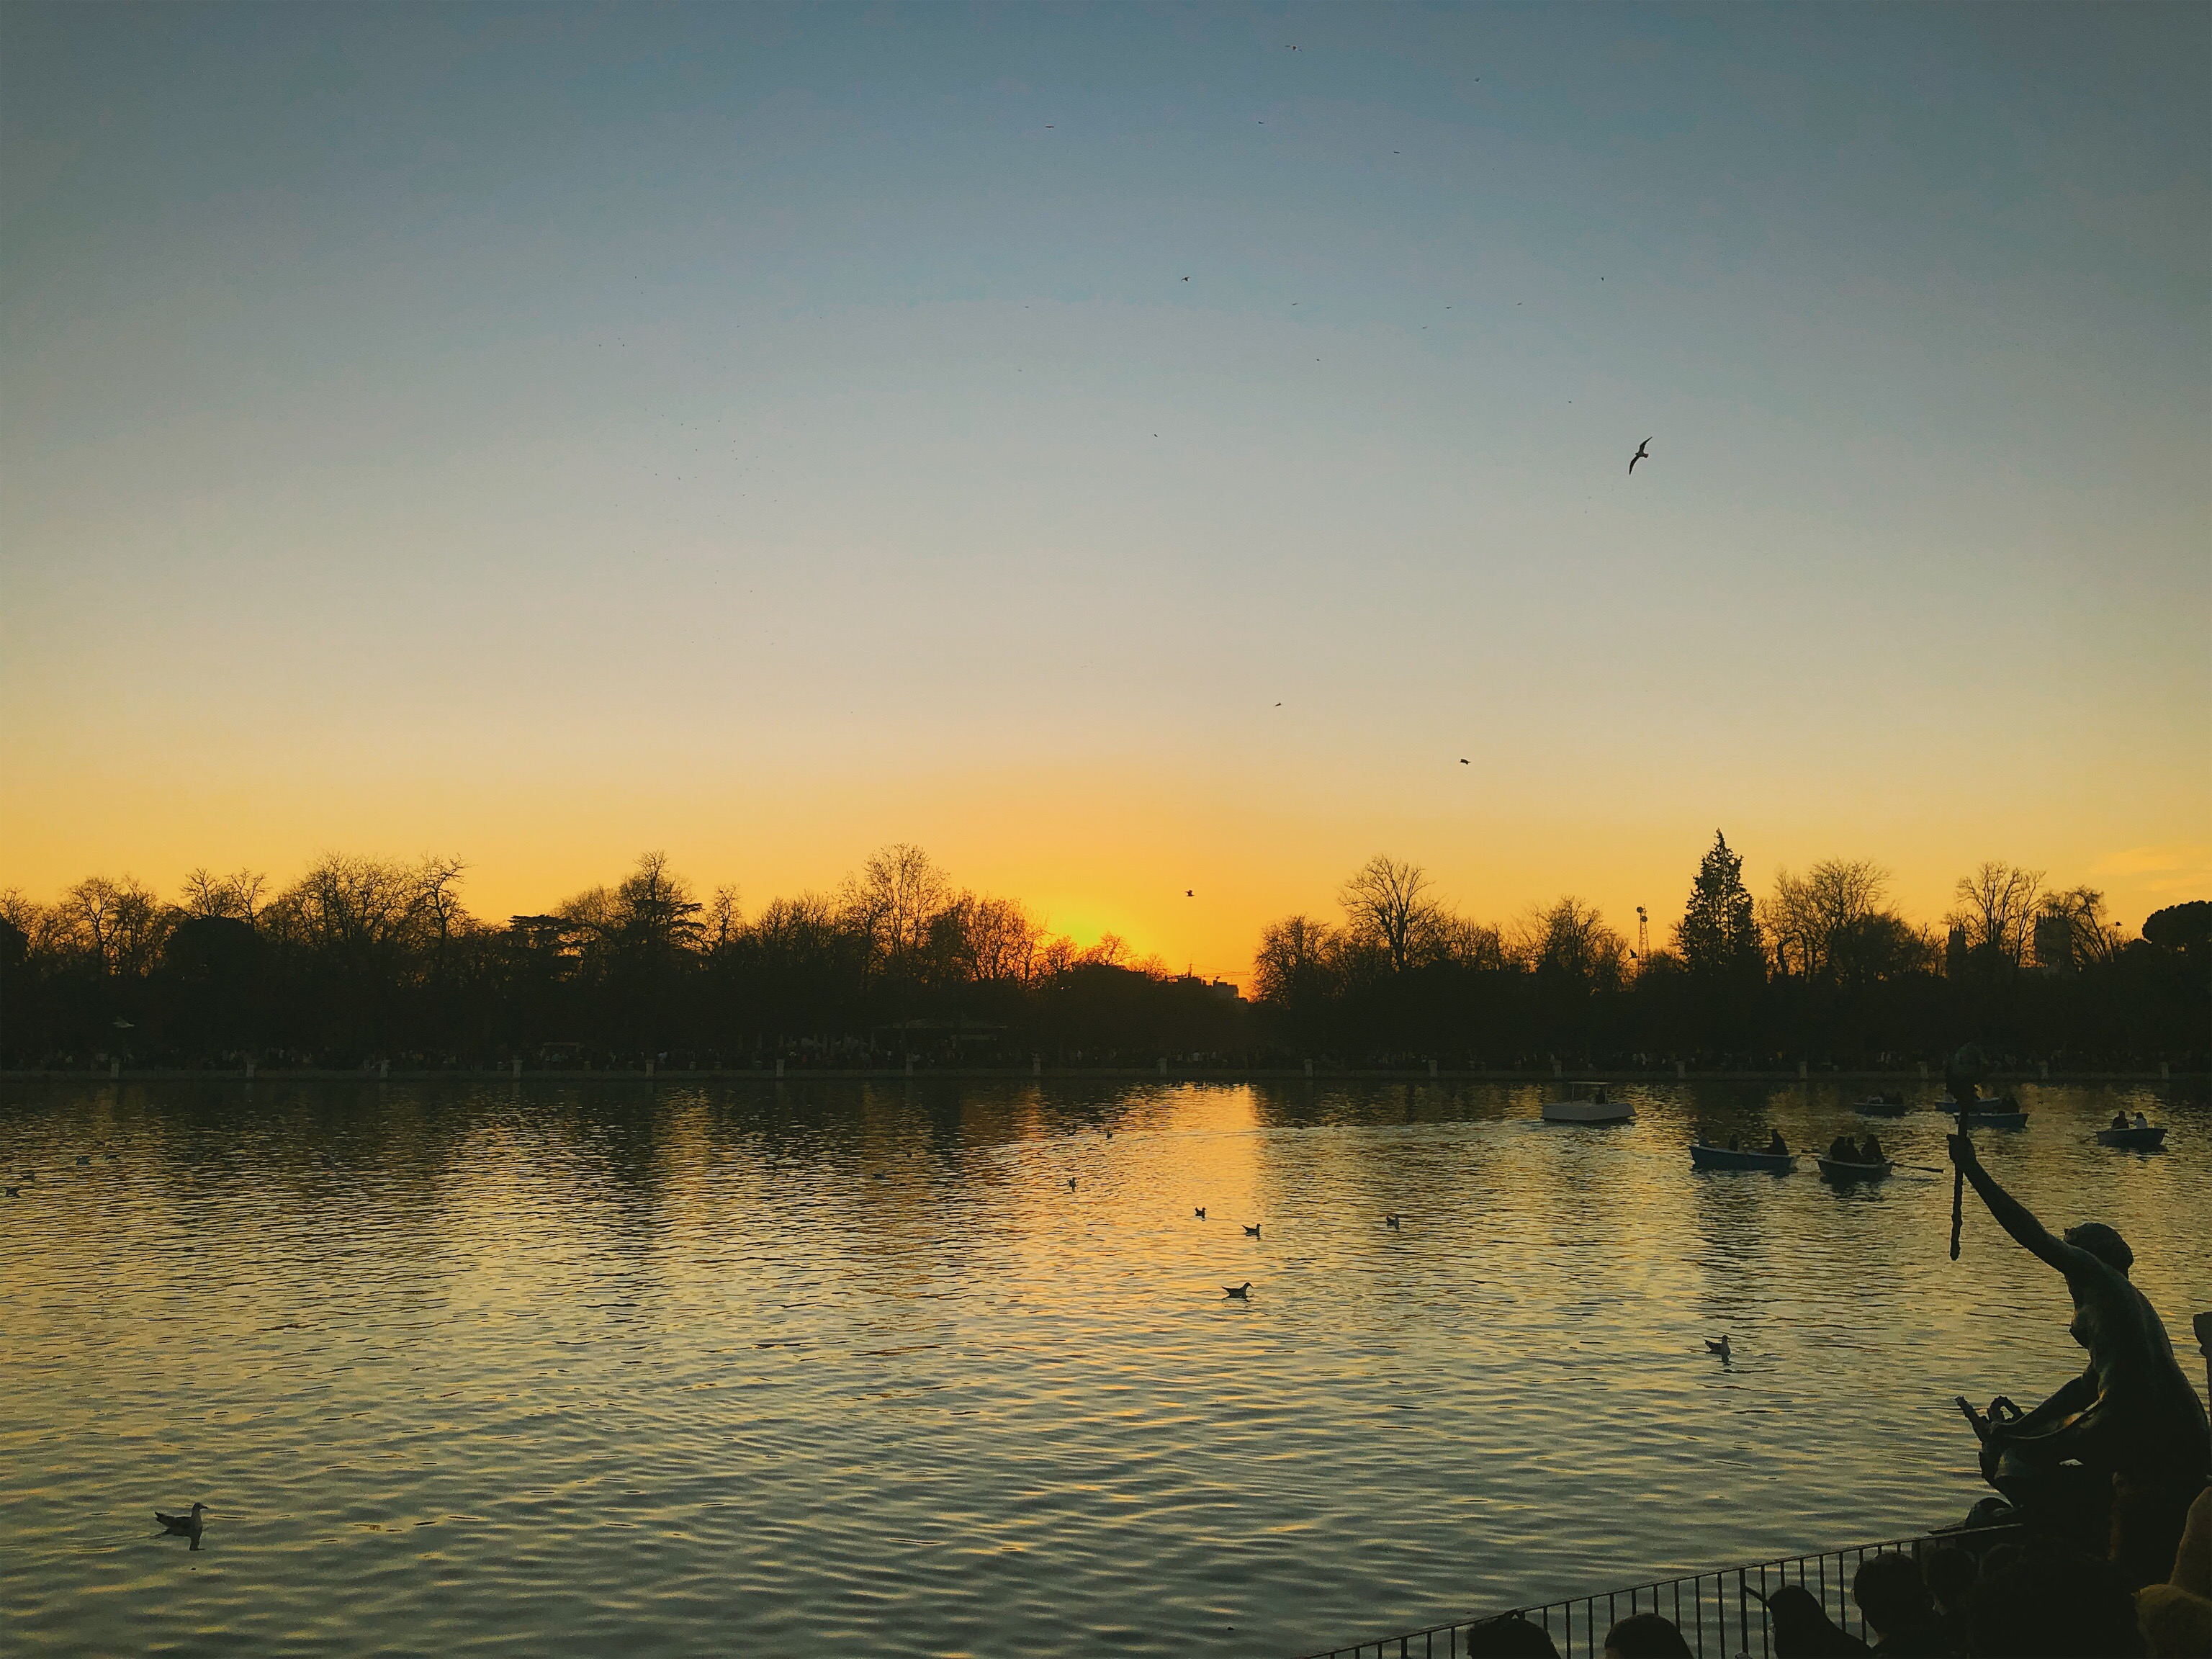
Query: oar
x,y
1957,1184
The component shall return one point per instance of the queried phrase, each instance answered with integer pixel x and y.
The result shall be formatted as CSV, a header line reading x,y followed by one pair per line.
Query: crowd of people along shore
x,y
2022,1598
2098,1541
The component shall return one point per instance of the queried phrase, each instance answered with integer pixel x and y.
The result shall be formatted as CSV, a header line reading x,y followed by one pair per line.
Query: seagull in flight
x,y
1642,454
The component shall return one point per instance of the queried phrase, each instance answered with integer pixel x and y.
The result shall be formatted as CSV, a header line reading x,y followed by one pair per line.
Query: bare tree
x,y
234,897
1569,940
1997,906
724,920
118,924
1294,957
1386,905
438,889
996,939
1814,918
1471,944
893,899
2091,935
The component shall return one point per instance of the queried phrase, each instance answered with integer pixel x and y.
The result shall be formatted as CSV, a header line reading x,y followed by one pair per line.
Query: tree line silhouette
x,y
364,960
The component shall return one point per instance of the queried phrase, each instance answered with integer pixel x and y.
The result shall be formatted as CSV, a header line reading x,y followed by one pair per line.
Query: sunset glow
x,y
875,475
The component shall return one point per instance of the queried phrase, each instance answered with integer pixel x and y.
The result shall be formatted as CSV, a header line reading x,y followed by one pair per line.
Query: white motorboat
x,y
1588,1102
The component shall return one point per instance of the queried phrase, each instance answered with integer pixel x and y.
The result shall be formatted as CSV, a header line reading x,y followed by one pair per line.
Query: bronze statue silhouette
x,y
2125,1448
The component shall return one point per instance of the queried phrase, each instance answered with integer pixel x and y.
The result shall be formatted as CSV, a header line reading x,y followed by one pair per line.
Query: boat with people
x,y
2143,1136
1703,1156
2003,1113
1852,1168
1882,1106
1588,1102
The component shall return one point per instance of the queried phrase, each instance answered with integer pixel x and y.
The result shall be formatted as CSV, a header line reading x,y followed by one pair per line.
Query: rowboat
x,y
1834,1169
2005,1116
1728,1157
1882,1106
1588,1103
2148,1139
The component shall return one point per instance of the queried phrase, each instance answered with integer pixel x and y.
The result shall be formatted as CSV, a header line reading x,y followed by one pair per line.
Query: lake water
x,y
851,1368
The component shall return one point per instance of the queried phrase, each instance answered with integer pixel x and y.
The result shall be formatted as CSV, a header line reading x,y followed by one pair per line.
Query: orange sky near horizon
x,y
1089,860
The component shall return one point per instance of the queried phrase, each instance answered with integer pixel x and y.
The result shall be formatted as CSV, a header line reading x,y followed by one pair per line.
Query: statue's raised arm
x,y
2015,1218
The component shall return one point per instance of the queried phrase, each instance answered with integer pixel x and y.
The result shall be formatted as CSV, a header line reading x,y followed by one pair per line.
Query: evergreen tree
x,y
1717,935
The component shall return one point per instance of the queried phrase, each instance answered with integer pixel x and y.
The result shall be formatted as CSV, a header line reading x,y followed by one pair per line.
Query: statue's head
x,y
1966,1067
2103,1242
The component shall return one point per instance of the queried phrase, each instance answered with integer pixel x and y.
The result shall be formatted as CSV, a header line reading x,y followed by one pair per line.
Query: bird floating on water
x,y
1241,1292
184,1526
1642,454
1720,1347
1391,1222
1071,1183
83,1160
1252,1231
1199,1212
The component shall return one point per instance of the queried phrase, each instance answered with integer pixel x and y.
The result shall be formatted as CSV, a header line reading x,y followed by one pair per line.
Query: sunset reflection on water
x,y
823,1365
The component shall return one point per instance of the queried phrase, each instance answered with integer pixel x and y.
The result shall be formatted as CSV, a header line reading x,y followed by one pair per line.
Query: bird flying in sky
x,y
1643,453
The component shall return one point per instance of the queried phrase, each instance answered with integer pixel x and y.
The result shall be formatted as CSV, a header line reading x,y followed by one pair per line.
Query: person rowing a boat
x,y
1776,1146
1843,1149
1870,1152
2125,1448
2119,1120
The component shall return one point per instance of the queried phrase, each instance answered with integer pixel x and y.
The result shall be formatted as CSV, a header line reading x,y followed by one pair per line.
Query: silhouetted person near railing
x,y
1949,1573
2127,1439
1802,1629
2176,1617
1645,1636
1511,1636
1894,1600
2053,1603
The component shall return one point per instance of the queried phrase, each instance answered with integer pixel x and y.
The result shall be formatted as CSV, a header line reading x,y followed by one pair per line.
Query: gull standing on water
x,y
1720,1347
1241,1292
1252,1231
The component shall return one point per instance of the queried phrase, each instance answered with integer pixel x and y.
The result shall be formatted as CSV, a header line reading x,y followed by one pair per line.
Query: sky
x,y
1126,451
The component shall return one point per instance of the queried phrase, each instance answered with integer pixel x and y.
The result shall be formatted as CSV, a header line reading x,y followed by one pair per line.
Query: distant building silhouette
x,y
1955,954
2054,943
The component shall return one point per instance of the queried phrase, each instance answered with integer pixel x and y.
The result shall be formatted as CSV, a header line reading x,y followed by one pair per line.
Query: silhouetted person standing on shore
x,y
2132,1419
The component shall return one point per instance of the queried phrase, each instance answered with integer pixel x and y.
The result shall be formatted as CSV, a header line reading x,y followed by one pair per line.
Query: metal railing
x,y
1721,1614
